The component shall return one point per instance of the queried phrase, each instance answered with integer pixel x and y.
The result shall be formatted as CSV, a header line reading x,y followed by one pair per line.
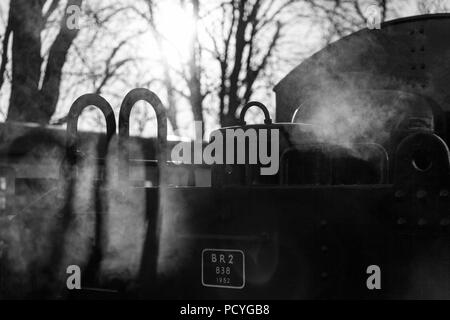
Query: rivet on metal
x,y
422,222
421,194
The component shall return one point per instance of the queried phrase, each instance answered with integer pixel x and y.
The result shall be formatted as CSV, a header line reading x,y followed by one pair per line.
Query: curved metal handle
x,y
267,119
75,111
295,115
384,160
128,103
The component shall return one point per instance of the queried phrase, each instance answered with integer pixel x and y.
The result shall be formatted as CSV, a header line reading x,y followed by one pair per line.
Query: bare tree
x,y
345,16
5,44
247,40
167,78
248,37
99,63
190,73
31,100
241,53
193,79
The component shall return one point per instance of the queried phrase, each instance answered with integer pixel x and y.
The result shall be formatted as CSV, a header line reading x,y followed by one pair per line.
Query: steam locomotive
x,y
362,185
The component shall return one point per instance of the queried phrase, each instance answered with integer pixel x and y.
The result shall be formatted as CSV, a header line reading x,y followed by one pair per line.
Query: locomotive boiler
x,y
361,190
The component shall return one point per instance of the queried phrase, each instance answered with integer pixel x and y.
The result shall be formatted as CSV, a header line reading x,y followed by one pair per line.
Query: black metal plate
x,y
223,268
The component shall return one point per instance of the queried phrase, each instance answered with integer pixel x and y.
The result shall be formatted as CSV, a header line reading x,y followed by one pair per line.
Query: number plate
x,y
223,268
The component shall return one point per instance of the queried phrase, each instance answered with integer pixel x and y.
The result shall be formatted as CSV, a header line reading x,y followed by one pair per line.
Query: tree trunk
x,y
194,81
5,44
26,26
167,79
29,103
170,91
49,93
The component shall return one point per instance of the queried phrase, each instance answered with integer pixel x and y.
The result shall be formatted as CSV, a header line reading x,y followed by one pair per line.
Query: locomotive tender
x,y
363,184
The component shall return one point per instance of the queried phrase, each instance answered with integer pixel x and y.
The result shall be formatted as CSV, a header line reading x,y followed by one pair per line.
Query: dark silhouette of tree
x,y
5,44
34,95
248,40
192,73
167,80
241,54
193,77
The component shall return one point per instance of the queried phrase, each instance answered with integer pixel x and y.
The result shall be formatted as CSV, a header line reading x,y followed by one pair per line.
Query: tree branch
x,y
5,44
50,10
49,93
